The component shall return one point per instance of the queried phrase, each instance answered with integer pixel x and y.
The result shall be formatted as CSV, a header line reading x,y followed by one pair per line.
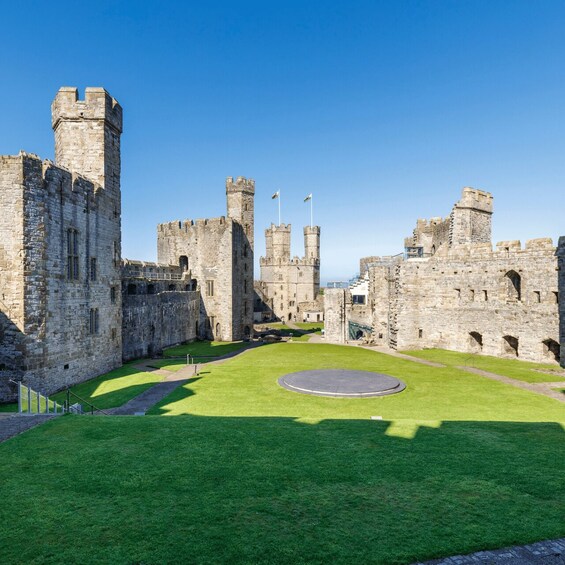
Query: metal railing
x,y
153,276
33,402
77,407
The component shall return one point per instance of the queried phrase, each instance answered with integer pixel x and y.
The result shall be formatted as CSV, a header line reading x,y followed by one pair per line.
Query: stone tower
x,y
471,218
278,242
87,135
240,196
312,242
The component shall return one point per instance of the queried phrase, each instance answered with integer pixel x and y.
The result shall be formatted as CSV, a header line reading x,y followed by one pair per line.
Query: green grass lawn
x,y
296,334
253,473
114,388
205,349
520,370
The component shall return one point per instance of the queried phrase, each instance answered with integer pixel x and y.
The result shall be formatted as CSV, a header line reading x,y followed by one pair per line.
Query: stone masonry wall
x,y
442,301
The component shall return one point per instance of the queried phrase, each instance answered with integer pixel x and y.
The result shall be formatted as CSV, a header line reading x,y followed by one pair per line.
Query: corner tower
x,y
471,218
87,135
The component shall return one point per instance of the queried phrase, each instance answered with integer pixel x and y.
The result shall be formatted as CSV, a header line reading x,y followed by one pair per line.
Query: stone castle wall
x,y
219,254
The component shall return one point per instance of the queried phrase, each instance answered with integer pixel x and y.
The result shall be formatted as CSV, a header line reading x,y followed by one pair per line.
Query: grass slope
x,y
114,388
205,349
520,370
258,474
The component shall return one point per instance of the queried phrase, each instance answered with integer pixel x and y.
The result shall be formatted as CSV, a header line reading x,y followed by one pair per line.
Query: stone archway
x,y
476,342
510,345
551,349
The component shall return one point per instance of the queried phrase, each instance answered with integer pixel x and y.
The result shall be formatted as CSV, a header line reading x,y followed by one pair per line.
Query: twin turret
x,y
277,239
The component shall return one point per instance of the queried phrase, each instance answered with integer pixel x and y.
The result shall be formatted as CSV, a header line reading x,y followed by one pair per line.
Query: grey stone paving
x,y
550,552
13,424
341,383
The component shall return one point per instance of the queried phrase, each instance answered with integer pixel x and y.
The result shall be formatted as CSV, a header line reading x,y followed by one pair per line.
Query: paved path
x,y
13,424
551,552
147,399
540,388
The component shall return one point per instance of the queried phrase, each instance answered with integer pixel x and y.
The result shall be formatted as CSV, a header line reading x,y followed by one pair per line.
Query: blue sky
x,y
383,110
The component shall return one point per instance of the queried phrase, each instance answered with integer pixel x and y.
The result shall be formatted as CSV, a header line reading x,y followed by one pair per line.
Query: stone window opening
x,y
551,349
218,333
183,263
476,341
245,250
93,269
513,286
537,296
472,295
113,294
210,288
358,299
150,289
555,297
114,334
72,255
94,321
458,293
172,287
245,287
420,333
485,295
510,345
132,289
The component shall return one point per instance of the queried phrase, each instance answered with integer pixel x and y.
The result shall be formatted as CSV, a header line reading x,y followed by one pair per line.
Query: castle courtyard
x,y
231,467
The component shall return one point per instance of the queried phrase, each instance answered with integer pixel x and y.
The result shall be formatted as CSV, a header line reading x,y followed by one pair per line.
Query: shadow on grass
x,y
205,349
339,491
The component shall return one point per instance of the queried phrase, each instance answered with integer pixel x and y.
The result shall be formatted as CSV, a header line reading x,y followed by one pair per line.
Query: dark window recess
x,y
93,269
113,294
72,254
94,321
358,299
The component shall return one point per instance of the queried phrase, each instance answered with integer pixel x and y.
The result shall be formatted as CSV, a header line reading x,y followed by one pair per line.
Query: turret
x,y
312,242
471,218
279,239
240,196
87,135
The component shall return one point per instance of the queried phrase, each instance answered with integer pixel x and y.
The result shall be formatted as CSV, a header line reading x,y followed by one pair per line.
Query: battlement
x,y
179,227
282,228
97,105
55,180
475,199
132,269
241,184
312,230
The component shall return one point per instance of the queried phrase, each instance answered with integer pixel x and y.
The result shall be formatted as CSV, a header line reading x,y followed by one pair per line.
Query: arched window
x,y
513,286
172,287
150,289
132,289
183,262
217,336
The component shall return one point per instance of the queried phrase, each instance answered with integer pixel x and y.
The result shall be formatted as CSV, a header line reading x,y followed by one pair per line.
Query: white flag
x,y
309,197
276,195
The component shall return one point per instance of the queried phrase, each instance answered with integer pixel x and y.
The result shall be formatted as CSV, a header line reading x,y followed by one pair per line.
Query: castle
x,y
450,290
70,308
289,286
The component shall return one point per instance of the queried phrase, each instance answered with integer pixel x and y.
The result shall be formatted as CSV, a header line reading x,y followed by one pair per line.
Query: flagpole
x,y
312,211
279,199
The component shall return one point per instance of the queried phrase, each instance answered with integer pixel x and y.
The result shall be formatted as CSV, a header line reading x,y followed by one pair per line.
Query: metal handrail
x,y
92,407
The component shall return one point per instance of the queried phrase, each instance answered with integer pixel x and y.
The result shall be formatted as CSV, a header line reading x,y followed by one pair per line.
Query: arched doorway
x,y
476,341
510,345
551,349
513,286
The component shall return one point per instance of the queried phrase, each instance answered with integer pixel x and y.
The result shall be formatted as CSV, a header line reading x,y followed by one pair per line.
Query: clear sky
x,y
383,110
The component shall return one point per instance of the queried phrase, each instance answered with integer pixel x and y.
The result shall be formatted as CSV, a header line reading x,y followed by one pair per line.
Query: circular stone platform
x,y
341,383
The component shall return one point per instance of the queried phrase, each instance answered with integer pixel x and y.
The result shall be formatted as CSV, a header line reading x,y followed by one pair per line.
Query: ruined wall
x,y
441,302
337,302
